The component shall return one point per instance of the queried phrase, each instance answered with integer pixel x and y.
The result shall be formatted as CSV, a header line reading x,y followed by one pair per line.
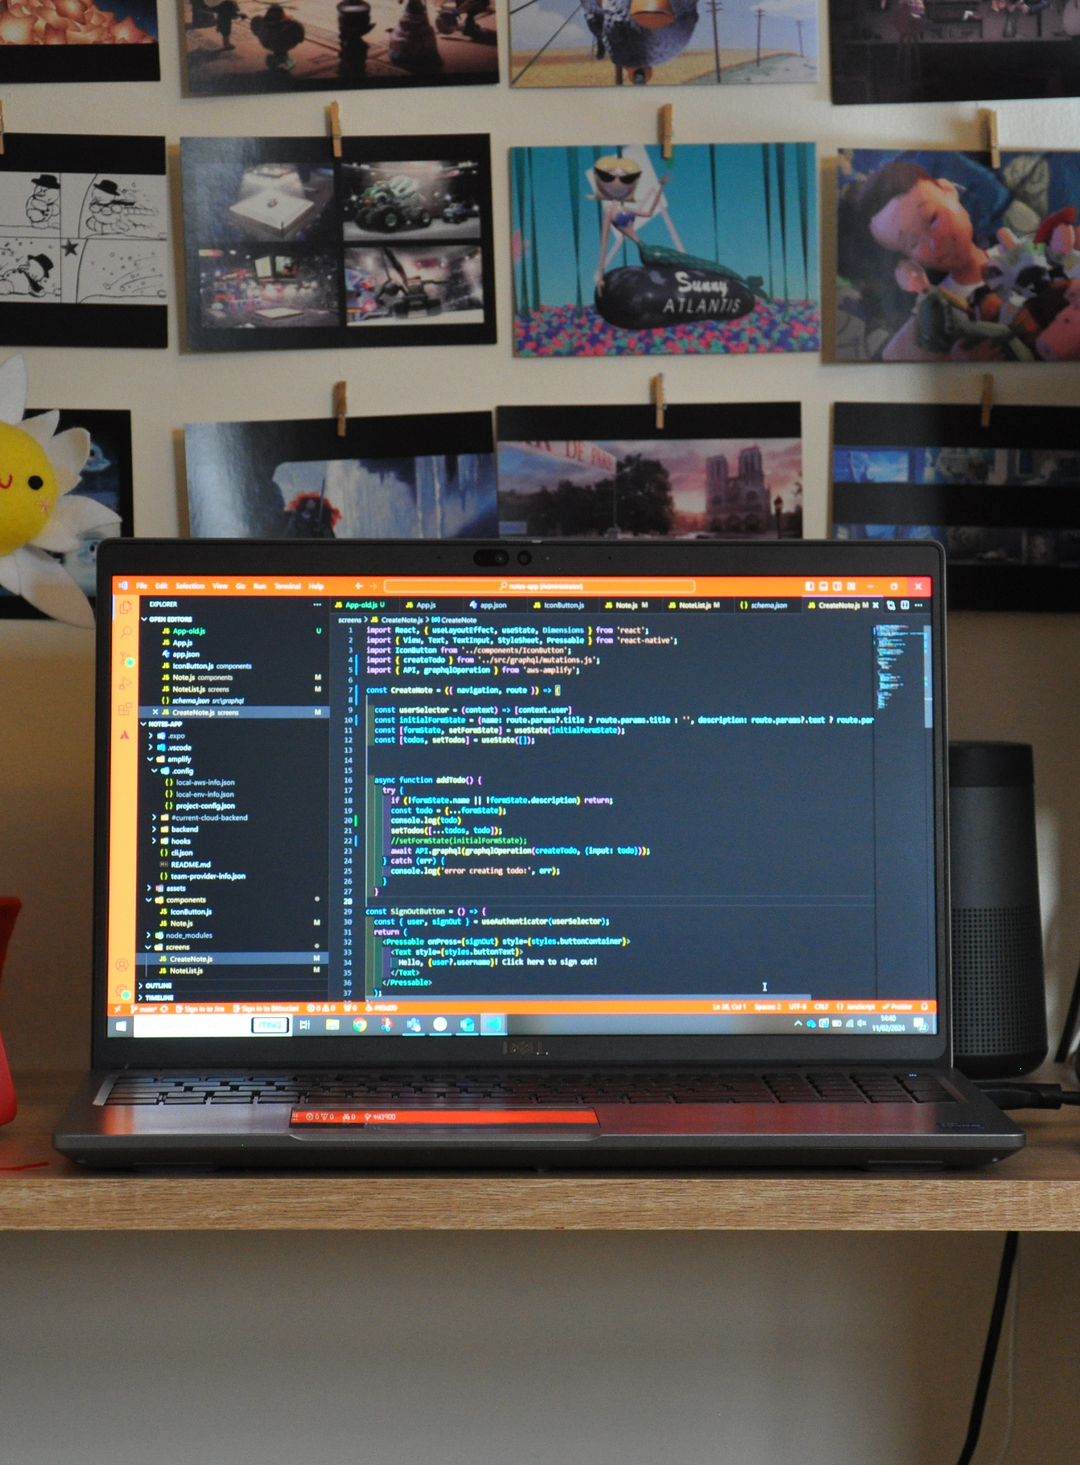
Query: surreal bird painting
x,y
662,42
638,34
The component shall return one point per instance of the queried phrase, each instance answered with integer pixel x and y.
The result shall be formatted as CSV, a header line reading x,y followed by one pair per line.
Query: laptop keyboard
x,y
789,1086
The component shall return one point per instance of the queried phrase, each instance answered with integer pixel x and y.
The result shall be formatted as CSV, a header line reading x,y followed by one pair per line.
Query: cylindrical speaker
x,y
999,1001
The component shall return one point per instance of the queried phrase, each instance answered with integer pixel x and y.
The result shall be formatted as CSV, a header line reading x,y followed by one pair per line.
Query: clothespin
x,y
987,401
659,401
1,129
341,406
333,117
992,137
666,125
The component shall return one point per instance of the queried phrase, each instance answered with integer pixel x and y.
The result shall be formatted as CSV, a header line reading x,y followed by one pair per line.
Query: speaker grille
x,y
998,1004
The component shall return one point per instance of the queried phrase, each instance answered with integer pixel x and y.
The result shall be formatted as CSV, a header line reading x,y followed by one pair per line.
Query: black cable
x,y
1070,1022
993,1337
1015,1094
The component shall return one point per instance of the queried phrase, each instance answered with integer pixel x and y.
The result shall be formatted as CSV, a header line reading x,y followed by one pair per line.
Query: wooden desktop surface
x,y
1036,1190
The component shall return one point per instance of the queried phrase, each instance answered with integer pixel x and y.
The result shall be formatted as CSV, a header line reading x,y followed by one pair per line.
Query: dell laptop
x,y
552,854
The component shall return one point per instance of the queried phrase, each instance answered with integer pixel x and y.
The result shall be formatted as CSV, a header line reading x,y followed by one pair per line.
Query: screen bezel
x,y
560,557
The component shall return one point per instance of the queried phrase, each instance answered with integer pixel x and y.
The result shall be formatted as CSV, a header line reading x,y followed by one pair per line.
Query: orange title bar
x,y
518,586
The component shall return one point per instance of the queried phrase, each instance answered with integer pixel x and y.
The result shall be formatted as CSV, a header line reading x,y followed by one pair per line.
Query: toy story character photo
x,y
958,263
650,296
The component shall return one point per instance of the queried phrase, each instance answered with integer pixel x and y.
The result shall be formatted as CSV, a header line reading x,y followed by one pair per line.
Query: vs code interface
x,y
475,807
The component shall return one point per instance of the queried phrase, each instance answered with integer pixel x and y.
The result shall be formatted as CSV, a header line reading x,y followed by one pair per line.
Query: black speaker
x,y
999,1001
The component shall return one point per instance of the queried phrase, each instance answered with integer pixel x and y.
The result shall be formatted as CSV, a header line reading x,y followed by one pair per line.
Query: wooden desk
x,y
1037,1190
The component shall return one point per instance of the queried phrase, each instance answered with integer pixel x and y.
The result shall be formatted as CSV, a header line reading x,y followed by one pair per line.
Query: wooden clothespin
x,y
666,124
986,402
333,117
659,400
992,138
1,129
341,406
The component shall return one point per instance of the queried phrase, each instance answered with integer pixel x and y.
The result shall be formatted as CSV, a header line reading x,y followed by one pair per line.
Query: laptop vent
x,y
998,1004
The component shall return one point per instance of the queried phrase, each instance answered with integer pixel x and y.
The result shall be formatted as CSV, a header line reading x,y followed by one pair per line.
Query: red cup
x,y
10,906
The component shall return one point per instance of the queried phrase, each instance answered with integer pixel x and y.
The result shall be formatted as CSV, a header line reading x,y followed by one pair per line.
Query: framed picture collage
x,y
609,245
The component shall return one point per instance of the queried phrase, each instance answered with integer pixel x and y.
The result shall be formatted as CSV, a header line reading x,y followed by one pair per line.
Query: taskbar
x,y
457,1018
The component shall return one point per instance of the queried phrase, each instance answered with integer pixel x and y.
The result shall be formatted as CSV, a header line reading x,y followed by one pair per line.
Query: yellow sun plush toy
x,y
38,470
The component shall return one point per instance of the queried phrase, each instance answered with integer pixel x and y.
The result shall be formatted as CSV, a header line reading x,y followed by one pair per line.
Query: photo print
x,y
106,478
953,50
442,283
1003,499
246,46
619,253
412,200
287,247
663,42
941,257
83,241
78,40
421,260
429,477
712,472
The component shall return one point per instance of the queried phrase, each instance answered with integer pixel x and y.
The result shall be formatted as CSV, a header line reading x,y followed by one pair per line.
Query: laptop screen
x,y
404,806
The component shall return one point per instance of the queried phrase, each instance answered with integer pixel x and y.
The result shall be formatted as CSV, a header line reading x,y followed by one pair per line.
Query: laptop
x,y
535,853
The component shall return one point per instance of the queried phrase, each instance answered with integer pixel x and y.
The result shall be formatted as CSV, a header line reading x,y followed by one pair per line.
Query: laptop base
x,y
964,1131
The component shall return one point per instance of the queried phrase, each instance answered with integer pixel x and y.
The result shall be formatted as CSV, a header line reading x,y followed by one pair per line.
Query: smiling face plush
x,y
40,517
28,488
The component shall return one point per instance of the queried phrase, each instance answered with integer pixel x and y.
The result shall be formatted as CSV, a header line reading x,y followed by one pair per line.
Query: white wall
x,y
524,1349
398,1351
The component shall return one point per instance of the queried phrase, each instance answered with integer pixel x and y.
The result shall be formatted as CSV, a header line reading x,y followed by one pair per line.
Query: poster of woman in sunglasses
x,y
711,251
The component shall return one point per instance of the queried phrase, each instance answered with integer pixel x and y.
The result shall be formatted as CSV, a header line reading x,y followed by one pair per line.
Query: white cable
x,y
1010,1383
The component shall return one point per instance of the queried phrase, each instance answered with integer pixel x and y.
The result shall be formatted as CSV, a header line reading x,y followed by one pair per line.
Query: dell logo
x,y
524,1049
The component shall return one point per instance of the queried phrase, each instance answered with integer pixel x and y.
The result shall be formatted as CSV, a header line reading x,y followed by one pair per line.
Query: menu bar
x,y
398,585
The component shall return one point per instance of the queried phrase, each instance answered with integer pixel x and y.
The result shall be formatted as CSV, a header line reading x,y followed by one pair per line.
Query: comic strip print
x,y
76,239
